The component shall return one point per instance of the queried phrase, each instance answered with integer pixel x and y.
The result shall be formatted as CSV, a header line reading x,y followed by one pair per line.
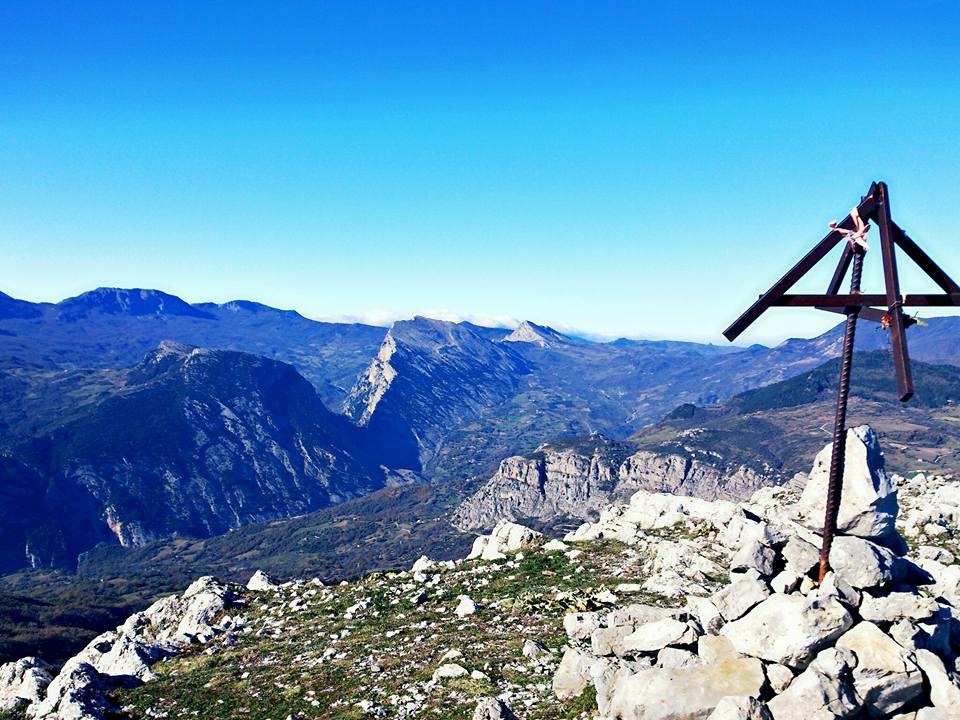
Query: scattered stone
x,y
261,582
505,537
492,709
573,674
816,694
448,670
465,606
801,556
863,564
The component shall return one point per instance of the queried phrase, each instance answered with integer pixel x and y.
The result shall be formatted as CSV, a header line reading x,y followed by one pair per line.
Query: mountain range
x,y
139,431
150,417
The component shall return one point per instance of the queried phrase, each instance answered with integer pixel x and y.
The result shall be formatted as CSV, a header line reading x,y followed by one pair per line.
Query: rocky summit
x,y
664,608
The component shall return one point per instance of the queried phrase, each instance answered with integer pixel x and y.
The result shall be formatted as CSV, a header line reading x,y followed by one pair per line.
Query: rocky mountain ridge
x,y
666,607
189,442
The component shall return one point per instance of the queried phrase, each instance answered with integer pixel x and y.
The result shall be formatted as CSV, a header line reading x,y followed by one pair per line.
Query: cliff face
x,y
558,484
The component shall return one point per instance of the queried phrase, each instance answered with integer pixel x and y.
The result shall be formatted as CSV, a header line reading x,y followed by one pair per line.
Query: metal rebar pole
x,y
835,484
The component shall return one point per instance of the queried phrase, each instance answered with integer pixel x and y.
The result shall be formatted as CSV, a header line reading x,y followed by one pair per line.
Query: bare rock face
x,y
564,483
22,682
124,656
550,484
868,504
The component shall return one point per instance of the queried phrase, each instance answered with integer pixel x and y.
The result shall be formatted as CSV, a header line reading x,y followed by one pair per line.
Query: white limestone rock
x,y
691,692
740,707
261,582
944,687
800,555
580,625
492,708
705,613
734,600
884,678
573,674
654,636
23,681
465,606
868,505
754,556
505,537
821,692
788,629
894,606
862,563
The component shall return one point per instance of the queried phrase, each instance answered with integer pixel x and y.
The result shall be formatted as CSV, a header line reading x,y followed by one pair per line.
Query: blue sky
x,y
622,169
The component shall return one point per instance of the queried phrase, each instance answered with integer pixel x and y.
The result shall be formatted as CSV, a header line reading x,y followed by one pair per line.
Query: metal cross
x,y
874,206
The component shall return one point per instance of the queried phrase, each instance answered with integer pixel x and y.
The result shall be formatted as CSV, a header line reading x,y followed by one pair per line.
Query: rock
x,y
914,635
820,692
671,657
573,674
651,637
863,564
505,537
785,581
465,607
705,613
78,692
580,625
754,556
261,582
895,606
23,681
835,586
944,689
492,708
125,656
621,622
868,505
801,556
556,546
715,649
423,564
788,629
740,707
534,650
673,694
739,596
448,670
779,676
884,678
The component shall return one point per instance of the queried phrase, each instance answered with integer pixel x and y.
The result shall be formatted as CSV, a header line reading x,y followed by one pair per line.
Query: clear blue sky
x,y
625,169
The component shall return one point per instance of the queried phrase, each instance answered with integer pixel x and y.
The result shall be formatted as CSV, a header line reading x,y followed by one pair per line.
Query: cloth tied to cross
x,y
856,237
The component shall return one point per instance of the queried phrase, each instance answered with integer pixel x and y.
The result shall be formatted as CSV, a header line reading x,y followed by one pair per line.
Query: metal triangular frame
x,y
875,206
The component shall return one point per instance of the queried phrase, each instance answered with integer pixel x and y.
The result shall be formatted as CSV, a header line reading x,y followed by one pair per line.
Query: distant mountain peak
x,y
528,332
135,302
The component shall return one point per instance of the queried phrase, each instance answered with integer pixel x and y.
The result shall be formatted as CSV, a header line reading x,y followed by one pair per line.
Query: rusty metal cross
x,y
875,206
